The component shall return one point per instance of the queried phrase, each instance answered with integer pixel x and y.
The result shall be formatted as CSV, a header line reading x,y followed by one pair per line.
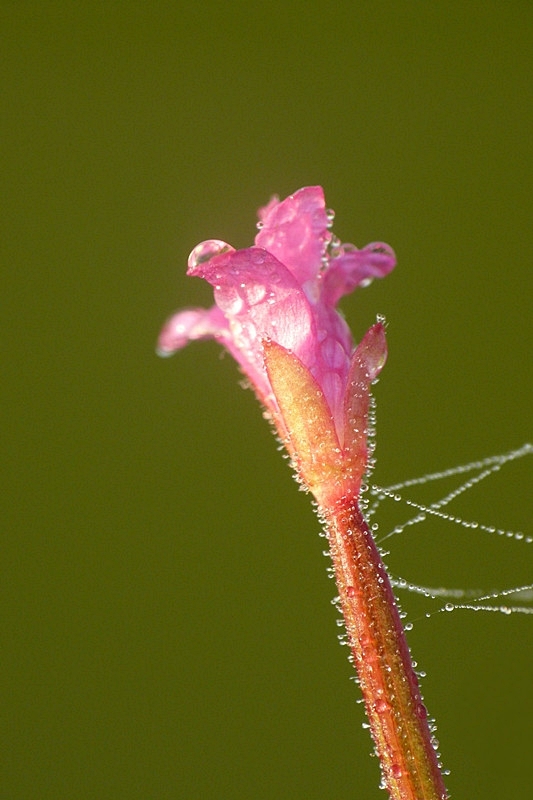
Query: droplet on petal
x,y
229,300
380,248
254,293
207,250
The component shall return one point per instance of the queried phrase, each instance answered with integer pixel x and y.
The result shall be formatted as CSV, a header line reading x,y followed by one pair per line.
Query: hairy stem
x,y
397,715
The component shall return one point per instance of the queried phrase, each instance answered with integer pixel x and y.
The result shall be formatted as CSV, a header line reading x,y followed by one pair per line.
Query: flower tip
x,y
383,258
163,352
172,337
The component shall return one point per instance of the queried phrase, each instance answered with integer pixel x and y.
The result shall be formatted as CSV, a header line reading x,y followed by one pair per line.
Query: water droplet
x,y
230,301
351,591
396,770
207,250
254,293
381,706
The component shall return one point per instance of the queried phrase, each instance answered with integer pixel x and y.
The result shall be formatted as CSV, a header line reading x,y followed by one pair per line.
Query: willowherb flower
x,y
276,312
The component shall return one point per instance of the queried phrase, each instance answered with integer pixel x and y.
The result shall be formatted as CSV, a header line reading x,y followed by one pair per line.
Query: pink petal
x,y
355,268
261,299
191,324
296,231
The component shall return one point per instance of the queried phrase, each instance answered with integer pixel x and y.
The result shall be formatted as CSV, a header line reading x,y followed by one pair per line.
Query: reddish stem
x,y
397,715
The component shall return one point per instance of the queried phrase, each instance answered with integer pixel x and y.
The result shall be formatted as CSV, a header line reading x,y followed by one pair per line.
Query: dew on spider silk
x,y
434,509
477,600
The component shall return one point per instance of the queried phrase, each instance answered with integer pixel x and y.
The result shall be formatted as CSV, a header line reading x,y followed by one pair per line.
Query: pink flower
x,y
275,311
276,314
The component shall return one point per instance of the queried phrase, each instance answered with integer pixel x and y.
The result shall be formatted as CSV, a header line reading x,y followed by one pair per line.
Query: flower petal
x,y
355,268
296,231
190,324
260,299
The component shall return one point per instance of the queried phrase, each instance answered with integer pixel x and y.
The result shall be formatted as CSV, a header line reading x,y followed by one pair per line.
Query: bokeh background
x,y
166,619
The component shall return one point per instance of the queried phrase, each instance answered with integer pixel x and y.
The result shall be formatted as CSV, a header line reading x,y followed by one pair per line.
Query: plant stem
x,y
397,715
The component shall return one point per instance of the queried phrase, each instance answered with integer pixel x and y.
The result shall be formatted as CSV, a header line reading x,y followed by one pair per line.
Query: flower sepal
x,y
328,467
303,420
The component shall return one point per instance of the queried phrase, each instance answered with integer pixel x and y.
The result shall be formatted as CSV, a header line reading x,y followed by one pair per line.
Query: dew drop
x,y
230,301
255,293
396,770
207,250
258,256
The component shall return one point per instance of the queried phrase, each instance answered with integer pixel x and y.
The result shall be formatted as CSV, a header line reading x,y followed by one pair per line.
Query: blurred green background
x,y
166,619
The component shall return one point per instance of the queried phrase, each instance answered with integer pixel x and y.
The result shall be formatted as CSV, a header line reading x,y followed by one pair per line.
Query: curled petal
x,y
296,231
355,268
190,324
